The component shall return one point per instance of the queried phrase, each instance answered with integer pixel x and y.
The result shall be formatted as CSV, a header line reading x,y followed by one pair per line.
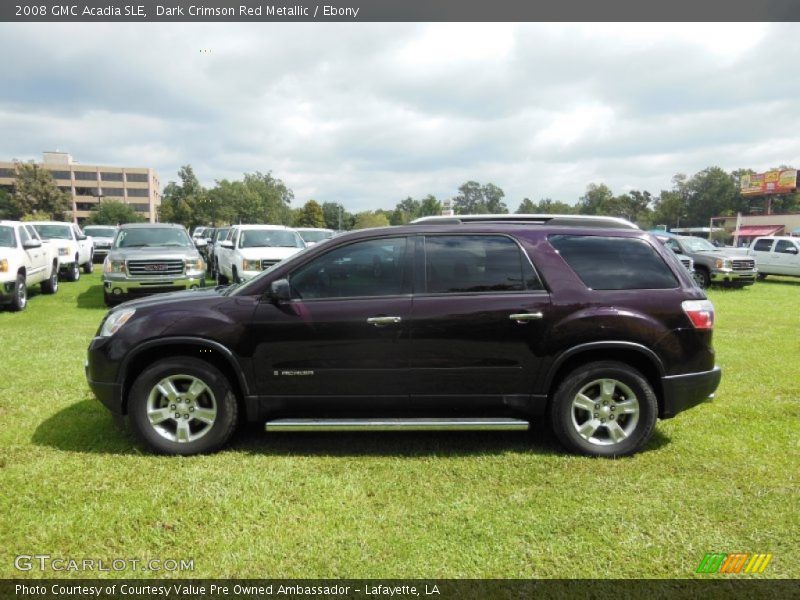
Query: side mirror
x,y
226,244
31,244
200,243
791,250
280,291
81,238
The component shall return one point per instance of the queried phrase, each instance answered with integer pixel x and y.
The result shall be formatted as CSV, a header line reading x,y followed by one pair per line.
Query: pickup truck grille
x,y
744,265
151,268
686,262
266,264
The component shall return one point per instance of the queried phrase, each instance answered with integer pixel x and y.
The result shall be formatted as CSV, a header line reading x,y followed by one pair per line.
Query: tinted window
x,y
112,192
138,177
85,176
786,247
60,174
259,238
139,193
369,268
763,246
53,232
157,236
111,176
8,173
608,263
476,263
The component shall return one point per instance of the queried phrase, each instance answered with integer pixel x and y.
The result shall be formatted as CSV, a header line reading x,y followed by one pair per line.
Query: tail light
x,y
700,313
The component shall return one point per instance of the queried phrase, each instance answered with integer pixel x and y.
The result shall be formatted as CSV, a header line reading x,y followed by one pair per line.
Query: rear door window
x,y
785,247
457,264
614,263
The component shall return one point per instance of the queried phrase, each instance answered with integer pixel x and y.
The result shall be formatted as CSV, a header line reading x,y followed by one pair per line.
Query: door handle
x,y
523,317
381,321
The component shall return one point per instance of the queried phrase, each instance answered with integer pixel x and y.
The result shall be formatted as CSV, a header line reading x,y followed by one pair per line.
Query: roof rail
x,y
555,220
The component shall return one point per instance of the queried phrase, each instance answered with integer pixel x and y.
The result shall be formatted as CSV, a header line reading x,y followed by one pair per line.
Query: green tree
x,y
311,215
429,206
670,208
112,212
474,198
526,207
181,203
595,201
367,219
406,211
35,191
546,206
8,209
336,217
709,193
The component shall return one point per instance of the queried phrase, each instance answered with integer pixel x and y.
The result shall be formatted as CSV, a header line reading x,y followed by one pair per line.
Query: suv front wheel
x,y
604,408
182,406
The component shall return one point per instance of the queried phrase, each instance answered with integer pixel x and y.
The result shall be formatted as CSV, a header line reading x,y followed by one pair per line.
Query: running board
x,y
501,424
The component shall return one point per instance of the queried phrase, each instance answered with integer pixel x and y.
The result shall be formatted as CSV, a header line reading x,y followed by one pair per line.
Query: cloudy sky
x,y
367,114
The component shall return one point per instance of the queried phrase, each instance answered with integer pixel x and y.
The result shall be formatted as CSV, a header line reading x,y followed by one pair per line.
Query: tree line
x,y
262,198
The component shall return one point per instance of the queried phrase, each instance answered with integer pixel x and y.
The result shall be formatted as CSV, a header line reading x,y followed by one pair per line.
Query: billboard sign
x,y
771,182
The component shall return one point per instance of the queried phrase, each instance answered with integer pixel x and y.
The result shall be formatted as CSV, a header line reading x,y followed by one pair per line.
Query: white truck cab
x,y
74,249
249,249
776,255
24,261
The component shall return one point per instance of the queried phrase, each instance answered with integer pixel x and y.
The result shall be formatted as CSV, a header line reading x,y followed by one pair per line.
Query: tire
x,y
19,298
583,423
88,267
235,276
182,384
50,285
74,273
761,276
111,299
221,279
704,277
214,270
699,280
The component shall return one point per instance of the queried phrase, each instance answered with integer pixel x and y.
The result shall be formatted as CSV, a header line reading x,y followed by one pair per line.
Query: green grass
x,y
722,477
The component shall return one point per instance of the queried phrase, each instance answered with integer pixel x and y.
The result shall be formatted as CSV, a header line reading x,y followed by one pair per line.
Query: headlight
x,y
115,321
195,265
63,251
114,266
3,266
251,265
723,263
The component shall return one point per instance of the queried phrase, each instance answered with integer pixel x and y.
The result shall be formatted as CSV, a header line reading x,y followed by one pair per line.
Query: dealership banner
x,y
771,182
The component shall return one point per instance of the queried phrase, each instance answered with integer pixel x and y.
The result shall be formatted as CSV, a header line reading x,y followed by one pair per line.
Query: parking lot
x,y
720,478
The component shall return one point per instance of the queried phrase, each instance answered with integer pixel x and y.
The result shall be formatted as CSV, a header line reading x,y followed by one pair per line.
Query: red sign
x,y
771,182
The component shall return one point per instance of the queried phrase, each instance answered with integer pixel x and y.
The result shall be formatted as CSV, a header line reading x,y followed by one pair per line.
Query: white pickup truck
x,y
74,249
24,261
775,255
250,249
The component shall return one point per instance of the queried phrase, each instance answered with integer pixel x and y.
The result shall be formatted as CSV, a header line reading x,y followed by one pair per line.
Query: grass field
x,y
722,477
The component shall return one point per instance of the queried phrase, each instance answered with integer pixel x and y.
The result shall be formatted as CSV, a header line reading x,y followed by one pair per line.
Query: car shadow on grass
x,y
88,427
92,298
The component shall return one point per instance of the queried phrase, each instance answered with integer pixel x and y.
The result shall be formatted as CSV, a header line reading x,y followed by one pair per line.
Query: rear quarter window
x,y
614,263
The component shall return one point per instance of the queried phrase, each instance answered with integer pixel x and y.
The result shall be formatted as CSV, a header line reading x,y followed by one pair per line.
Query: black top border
x,y
141,11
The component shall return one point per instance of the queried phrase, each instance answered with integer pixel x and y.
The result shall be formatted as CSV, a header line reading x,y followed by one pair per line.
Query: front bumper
x,y
110,394
682,392
731,276
152,285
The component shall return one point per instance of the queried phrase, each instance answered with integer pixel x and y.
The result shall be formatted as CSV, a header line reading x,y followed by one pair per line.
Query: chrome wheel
x,y
181,408
605,412
20,294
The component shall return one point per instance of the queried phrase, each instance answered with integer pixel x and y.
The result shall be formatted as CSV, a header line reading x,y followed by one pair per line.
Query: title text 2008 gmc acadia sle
x,y
470,323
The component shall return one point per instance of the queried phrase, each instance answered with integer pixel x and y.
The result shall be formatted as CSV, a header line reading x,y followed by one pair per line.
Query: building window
x,y
110,176
139,193
8,173
112,192
86,191
141,207
136,177
60,174
85,205
85,176
67,189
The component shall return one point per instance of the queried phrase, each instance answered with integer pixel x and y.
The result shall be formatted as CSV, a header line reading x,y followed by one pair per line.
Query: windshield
x,y
242,289
7,237
157,236
278,238
315,236
695,244
100,231
221,234
53,232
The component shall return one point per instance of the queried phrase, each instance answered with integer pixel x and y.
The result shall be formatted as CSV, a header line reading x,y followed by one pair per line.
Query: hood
x,y
154,253
267,253
102,240
181,296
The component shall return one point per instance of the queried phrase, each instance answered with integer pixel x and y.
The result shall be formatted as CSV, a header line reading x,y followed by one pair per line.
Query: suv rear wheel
x,y
604,409
182,406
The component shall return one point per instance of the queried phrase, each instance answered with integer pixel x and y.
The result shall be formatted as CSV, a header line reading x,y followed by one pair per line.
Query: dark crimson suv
x,y
467,322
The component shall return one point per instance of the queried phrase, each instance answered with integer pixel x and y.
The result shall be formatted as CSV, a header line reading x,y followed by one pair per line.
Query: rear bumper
x,y
682,392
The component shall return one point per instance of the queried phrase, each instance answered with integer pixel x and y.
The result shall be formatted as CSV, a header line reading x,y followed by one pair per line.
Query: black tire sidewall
x,y
50,285
561,408
227,410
